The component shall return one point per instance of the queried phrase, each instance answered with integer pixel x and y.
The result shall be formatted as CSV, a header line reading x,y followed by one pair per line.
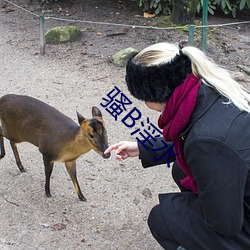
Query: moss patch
x,y
63,34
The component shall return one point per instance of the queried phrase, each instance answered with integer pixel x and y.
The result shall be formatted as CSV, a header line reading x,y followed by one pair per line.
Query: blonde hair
x,y
202,67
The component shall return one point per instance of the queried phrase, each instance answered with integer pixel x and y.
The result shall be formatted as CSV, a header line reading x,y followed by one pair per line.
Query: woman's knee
x,y
159,229
153,218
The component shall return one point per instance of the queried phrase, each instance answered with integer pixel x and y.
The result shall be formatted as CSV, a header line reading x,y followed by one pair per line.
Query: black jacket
x,y
216,145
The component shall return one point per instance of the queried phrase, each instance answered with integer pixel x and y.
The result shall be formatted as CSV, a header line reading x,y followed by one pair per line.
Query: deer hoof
x,y
82,198
48,195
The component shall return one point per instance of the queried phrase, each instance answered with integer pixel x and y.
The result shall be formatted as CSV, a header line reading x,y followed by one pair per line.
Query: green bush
x,y
165,6
232,6
156,6
211,7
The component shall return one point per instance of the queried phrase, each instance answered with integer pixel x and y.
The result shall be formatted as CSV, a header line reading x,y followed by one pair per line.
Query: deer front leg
x,y
1,144
2,147
71,168
18,161
48,165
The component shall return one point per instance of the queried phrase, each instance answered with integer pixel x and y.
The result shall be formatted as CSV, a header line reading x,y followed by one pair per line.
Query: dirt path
x,y
115,215
75,77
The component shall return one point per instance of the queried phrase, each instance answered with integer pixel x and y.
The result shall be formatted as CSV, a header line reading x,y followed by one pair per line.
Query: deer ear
x,y
80,118
96,111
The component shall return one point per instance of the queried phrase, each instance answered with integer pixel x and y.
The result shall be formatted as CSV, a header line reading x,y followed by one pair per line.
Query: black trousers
x,y
179,221
156,222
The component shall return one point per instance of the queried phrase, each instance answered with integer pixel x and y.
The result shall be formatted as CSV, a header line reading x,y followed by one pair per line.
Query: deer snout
x,y
106,156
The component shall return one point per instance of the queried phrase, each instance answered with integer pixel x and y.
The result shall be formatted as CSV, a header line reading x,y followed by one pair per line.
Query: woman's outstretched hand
x,y
124,149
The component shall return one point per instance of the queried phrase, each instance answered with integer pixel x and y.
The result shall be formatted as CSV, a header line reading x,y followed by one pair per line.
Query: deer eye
x,y
91,136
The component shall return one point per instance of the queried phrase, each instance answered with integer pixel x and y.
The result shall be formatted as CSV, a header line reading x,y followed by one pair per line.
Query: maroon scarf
x,y
175,118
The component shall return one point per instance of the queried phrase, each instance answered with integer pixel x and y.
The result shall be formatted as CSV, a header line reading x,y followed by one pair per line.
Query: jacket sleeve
x,y
220,173
156,152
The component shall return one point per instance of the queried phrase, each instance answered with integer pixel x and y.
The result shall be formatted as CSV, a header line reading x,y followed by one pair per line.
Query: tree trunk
x,y
183,11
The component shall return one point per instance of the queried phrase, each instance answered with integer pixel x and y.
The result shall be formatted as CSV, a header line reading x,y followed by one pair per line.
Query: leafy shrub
x,y
157,6
225,5
211,7
232,6
165,6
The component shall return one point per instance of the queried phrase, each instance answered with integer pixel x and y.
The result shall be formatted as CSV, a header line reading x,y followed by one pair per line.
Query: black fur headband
x,y
156,83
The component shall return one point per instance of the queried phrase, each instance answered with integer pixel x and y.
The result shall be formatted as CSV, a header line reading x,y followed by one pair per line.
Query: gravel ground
x,y
76,76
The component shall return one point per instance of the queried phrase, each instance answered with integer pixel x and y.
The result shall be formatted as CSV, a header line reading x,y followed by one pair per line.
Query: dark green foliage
x,y
156,6
165,6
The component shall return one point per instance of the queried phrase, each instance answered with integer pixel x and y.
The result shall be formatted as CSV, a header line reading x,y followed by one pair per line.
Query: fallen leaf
x,y
58,227
147,15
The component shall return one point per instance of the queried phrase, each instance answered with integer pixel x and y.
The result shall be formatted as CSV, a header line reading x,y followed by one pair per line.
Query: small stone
x,y
147,193
136,201
44,225
2,3
121,58
239,76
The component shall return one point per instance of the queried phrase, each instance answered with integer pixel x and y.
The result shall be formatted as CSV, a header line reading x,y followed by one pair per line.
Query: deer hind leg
x,y
48,165
1,144
71,168
18,161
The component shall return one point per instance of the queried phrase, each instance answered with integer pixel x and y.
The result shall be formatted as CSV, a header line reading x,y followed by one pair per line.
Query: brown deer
x,y
59,138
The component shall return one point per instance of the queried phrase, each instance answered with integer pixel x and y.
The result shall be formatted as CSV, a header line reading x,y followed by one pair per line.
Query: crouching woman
x,y
205,114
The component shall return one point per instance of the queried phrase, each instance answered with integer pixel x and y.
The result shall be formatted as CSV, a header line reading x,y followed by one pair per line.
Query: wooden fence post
x,y
42,31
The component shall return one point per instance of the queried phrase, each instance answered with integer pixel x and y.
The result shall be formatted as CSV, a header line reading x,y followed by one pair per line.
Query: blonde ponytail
x,y
217,78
